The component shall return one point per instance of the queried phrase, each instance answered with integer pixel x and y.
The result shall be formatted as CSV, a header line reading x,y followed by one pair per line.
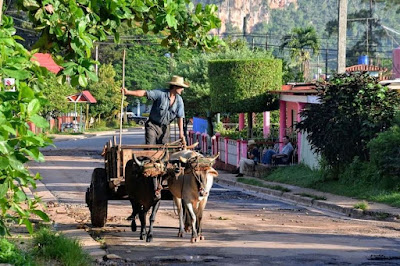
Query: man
x,y
281,157
167,105
253,157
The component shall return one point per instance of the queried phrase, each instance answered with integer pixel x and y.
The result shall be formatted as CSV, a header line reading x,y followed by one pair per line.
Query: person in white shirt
x,y
281,157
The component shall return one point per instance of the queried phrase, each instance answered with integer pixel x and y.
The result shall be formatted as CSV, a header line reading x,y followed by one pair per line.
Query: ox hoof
x,y
142,237
202,238
133,226
194,239
149,239
180,234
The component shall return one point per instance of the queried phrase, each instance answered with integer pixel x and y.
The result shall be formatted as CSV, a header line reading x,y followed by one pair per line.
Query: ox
x,y
190,187
139,173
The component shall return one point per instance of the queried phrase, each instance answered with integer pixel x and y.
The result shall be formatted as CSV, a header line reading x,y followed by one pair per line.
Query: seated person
x,y
281,157
253,157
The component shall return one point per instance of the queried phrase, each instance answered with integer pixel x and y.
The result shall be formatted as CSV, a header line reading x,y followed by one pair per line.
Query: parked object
x,y
140,120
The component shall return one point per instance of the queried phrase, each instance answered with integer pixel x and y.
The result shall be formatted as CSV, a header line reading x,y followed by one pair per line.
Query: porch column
x,y
300,107
241,121
282,121
226,150
238,143
266,124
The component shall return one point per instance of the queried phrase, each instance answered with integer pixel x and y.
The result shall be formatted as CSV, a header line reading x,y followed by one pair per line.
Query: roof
x,y
297,88
82,97
45,60
369,68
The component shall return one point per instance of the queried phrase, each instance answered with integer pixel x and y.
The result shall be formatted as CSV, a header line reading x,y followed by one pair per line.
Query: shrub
x,y
385,153
10,255
239,86
354,109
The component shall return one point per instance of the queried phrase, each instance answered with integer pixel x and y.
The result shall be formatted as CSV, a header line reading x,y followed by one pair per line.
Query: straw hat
x,y
178,81
251,142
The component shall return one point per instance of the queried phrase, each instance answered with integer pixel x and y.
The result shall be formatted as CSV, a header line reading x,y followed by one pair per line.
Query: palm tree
x,y
300,41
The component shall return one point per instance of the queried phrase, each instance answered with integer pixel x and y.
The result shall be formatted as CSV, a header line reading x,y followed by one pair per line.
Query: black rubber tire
x,y
98,197
142,122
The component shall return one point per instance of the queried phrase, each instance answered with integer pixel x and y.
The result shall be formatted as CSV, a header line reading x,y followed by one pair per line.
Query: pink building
x,y
293,98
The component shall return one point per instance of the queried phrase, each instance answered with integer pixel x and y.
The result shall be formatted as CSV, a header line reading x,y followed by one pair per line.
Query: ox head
x,y
150,165
201,169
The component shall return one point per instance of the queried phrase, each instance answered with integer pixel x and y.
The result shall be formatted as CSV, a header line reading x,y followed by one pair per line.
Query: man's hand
x,y
183,139
124,91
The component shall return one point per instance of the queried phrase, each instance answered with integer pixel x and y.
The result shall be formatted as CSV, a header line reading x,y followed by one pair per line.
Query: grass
x,y
258,183
361,205
302,176
46,247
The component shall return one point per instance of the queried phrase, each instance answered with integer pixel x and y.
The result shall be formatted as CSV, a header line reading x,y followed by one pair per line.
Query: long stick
x,y
122,99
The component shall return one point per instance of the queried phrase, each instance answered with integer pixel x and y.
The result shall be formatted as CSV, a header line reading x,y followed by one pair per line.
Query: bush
x,y
9,254
239,86
385,153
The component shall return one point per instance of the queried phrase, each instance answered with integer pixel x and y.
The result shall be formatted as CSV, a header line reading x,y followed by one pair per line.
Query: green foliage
x,y
299,41
362,205
354,109
52,245
56,94
195,70
17,143
362,186
385,153
242,85
71,27
10,254
107,92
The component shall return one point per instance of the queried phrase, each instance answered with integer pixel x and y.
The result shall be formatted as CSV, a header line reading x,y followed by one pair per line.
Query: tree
x,y
68,30
71,27
107,93
56,96
353,109
299,41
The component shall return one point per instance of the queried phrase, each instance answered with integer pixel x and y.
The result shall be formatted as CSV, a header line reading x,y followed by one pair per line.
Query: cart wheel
x,y
141,122
98,197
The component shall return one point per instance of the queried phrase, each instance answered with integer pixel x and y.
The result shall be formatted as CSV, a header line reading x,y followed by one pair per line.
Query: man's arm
x,y
136,93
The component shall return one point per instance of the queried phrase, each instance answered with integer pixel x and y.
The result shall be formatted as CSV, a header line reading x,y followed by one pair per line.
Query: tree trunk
x,y
250,125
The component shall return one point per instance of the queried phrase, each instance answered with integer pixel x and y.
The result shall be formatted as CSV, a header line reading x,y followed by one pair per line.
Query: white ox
x,y
190,186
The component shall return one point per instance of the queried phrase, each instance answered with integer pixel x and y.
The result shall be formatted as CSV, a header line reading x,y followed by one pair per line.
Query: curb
x,y
309,202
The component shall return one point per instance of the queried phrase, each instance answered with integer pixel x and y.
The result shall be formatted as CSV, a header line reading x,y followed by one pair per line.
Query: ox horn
x,y
139,163
182,159
212,159
191,147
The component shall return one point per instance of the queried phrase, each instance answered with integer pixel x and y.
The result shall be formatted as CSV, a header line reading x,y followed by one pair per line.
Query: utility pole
x,y
342,14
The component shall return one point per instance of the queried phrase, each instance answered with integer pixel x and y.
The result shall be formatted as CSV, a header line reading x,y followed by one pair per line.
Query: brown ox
x,y
139,173
190,187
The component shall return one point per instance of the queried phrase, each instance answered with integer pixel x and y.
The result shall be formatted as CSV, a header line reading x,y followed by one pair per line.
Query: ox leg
x,y
135,208
152,219
202,206
132,216
178,203
142,218
189,207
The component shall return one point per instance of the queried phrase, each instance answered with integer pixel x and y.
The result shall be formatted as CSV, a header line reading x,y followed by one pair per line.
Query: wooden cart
x,y
108,183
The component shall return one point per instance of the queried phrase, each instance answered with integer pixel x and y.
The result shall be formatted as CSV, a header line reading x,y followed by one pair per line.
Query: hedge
x,y
239,86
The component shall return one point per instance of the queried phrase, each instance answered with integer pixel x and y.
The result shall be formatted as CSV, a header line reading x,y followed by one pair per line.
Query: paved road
x,y
240,229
